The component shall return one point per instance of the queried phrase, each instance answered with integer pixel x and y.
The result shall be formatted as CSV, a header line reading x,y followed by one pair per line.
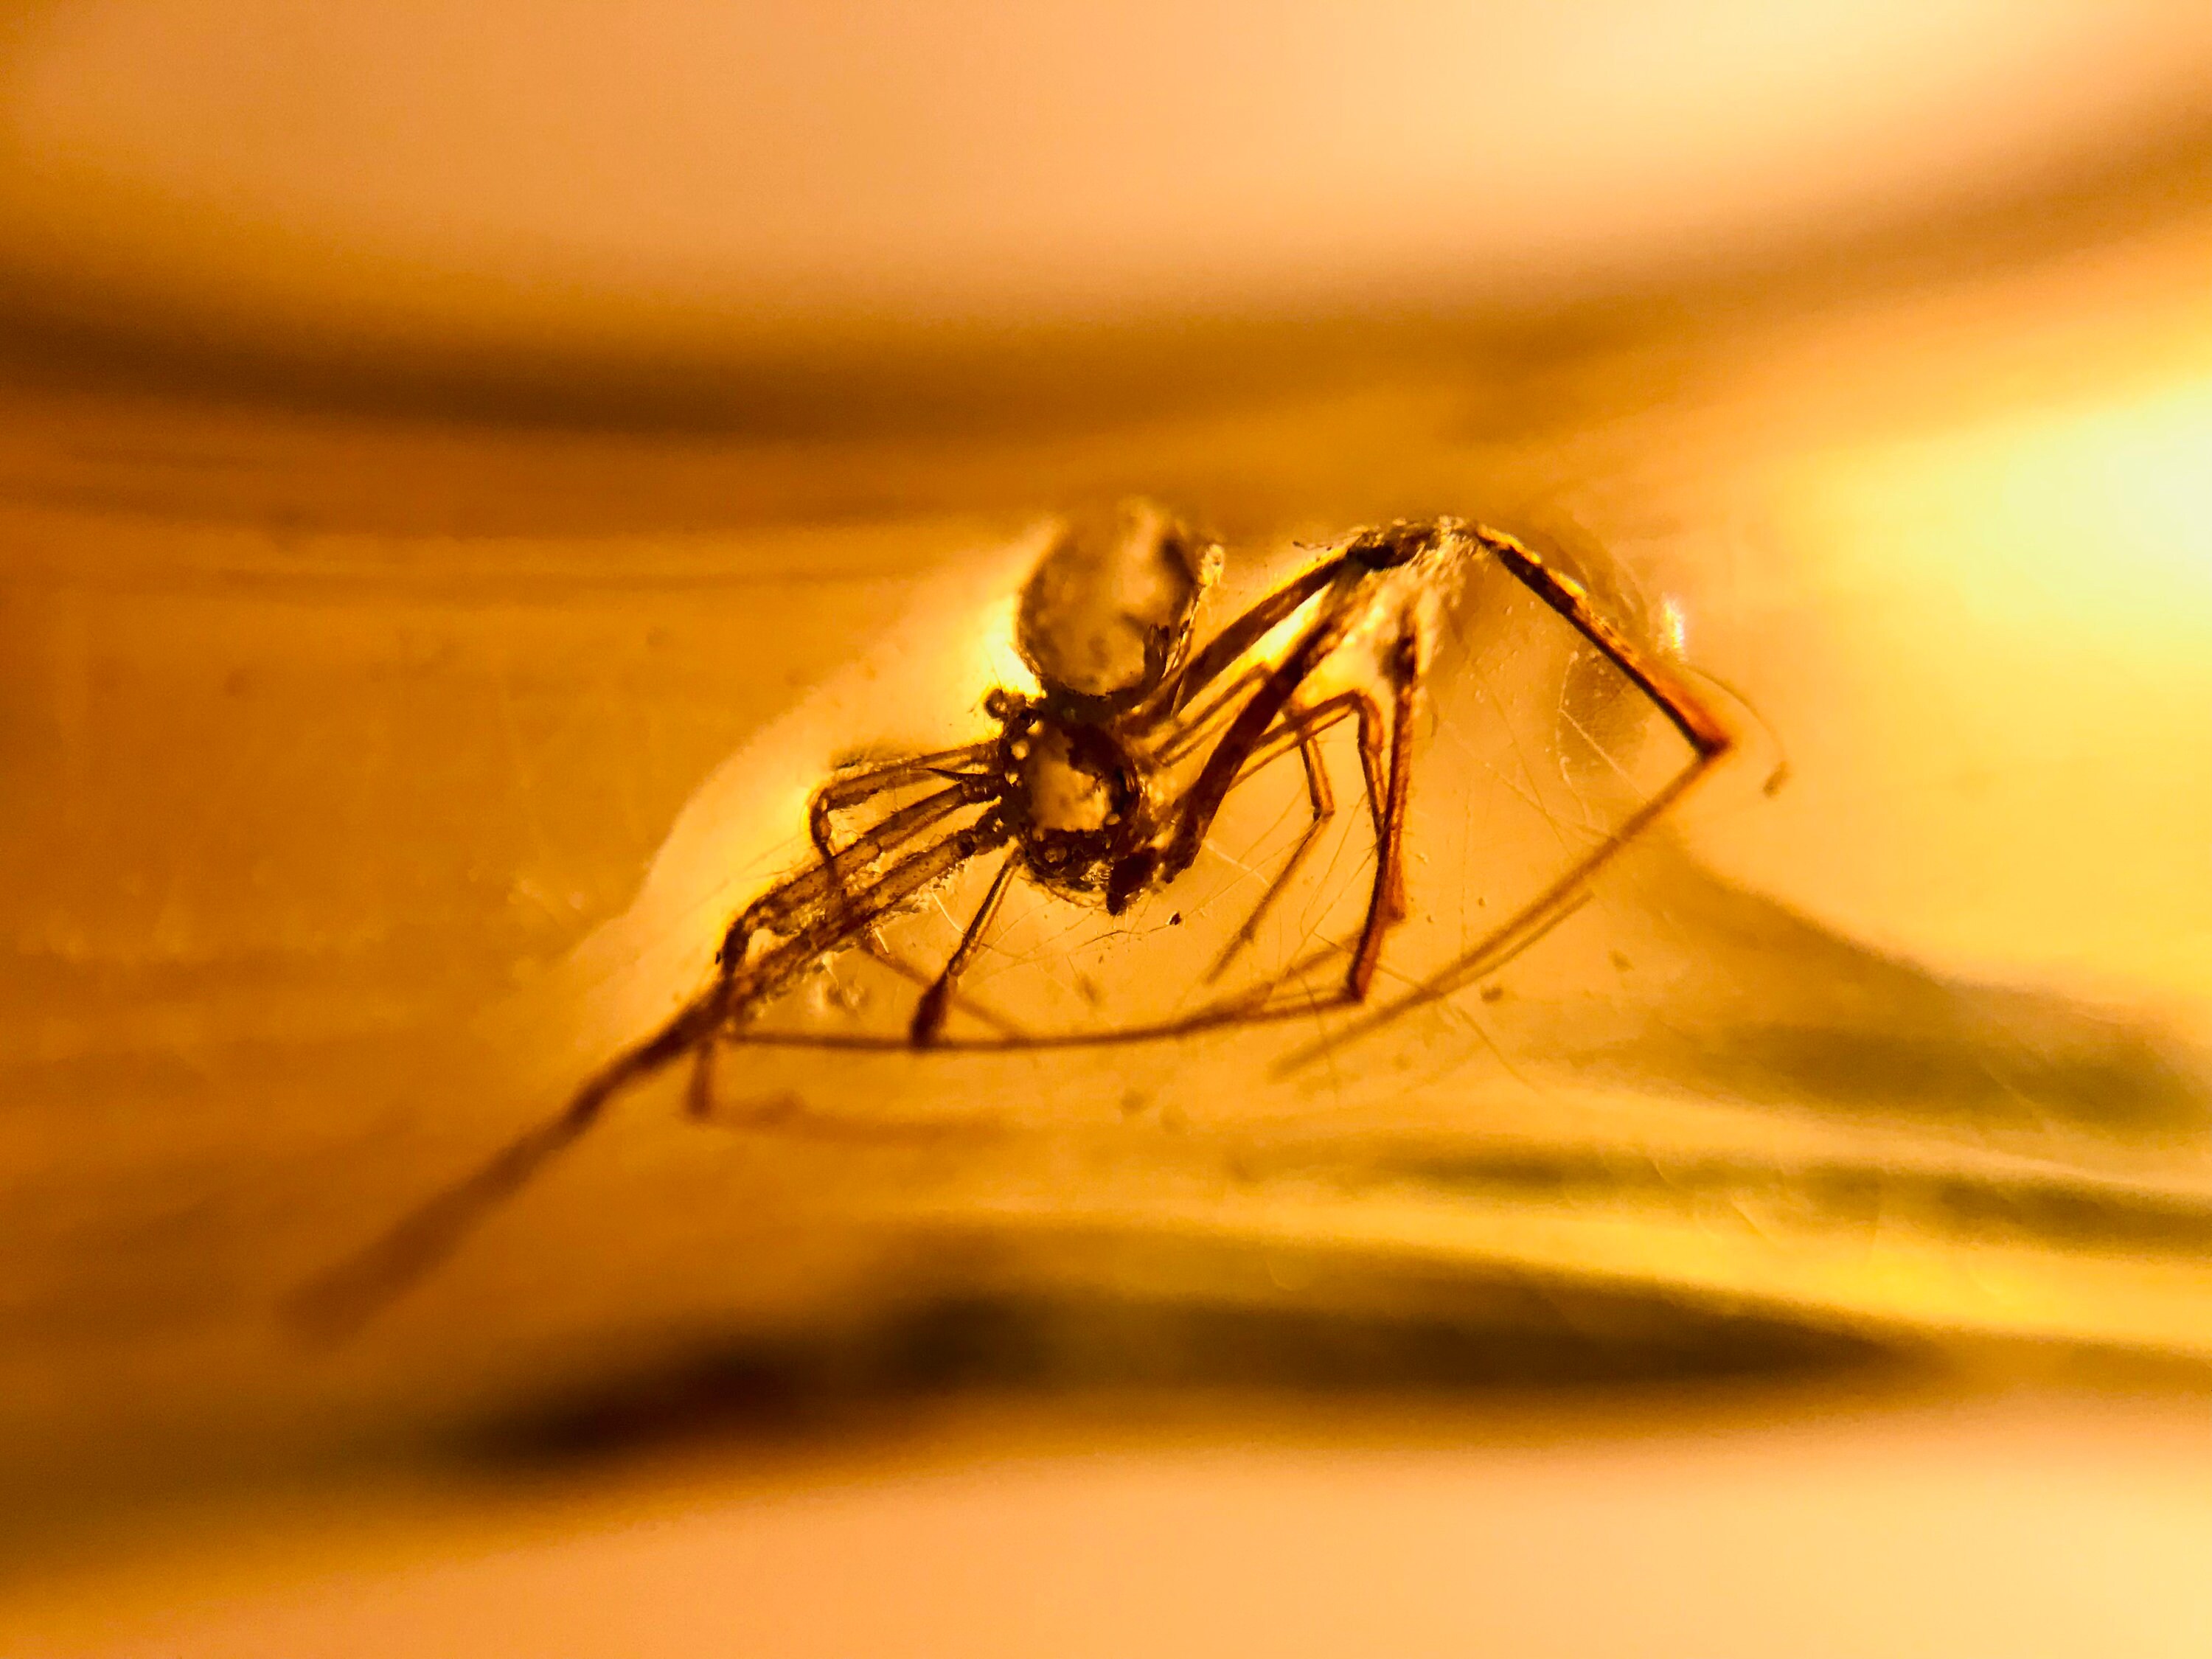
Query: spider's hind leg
x,y
1701,728
842,795
762,916
1388,904
1300,732
1321,801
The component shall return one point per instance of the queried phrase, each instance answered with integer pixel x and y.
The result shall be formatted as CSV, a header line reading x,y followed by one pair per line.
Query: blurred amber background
x,y
465,472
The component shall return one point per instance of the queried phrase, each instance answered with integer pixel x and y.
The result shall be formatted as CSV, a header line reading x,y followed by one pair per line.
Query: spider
x,y
1100,786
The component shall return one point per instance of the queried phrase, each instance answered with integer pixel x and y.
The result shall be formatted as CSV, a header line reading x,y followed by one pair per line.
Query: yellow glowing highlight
x,y
2084,518
2000,632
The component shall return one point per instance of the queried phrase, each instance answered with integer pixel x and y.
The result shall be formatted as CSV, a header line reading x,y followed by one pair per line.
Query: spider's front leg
x,y
828,889
929,1013
846,793
860,786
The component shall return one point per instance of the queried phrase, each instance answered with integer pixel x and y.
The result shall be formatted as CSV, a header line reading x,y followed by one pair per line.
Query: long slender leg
x,y
1709,739
1323,715
1241,633
1322,801
857,787
831,878
1362,553
1239,636
929,1013
1255,737
751,984
1194,814
1710,742
843,794
1698,724
774,913
336,1302
699,1088
921,977
871,942
1190,729
1299,731
1387,906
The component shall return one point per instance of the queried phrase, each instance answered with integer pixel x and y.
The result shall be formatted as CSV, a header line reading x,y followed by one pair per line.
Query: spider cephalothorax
x,y
1077,797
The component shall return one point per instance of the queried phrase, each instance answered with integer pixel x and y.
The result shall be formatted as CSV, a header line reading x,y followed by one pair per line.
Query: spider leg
x,y
845,792
336,1302
1321,801
333,1304
831,878
1701,728
1363,553
1710,742
872,943
1265,1005
1708,737
929,1013
1299,731
699,1087
1241,633
1387,905
1287,736
1193,813
1191,728
828,882
857,788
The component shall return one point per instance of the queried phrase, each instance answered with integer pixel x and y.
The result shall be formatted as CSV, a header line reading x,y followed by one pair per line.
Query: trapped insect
x,y
1100,786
